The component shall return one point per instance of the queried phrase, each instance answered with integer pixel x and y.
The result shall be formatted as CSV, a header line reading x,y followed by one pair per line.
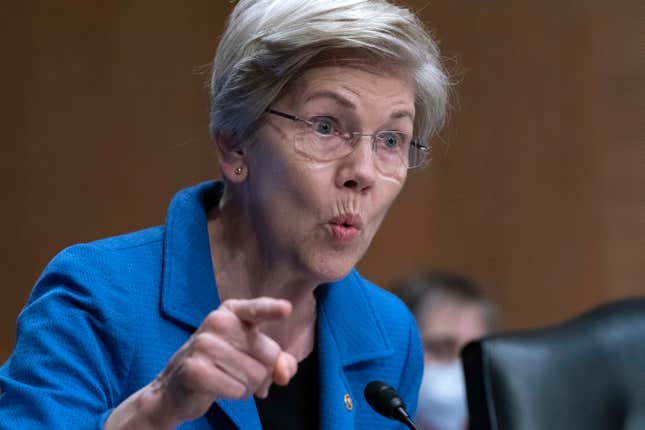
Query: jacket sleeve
x,y
67,362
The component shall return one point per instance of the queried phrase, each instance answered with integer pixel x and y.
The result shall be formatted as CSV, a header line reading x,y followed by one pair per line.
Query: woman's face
x,y
320,217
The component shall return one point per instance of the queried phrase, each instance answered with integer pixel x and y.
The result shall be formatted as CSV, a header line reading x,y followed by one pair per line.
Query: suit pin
x,y
348,402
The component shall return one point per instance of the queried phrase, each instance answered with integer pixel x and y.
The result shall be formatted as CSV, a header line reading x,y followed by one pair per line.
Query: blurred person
x,y
318,110
450,310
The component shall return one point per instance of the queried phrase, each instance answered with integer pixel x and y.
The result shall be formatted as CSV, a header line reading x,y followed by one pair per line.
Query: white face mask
x,y
442,397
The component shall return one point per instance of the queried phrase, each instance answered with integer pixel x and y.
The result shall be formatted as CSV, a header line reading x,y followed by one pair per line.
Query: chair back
x,y
585,374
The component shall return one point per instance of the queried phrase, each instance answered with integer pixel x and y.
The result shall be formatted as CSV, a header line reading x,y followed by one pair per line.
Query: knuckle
x,y
273,351
239,391
201,342
267,350
257,375
218,321
194,371
229,304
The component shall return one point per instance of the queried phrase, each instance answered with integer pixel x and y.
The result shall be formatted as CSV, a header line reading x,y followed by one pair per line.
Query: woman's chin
x,y
333,270
326,264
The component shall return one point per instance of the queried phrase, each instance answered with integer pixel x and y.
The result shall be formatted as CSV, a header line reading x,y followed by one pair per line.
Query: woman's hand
x,y
227,357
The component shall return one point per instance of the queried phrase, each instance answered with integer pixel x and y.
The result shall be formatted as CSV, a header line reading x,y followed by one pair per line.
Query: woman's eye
x,y
390,139
324,126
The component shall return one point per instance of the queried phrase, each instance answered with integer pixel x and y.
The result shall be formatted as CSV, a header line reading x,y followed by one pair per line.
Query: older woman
x,y
244,310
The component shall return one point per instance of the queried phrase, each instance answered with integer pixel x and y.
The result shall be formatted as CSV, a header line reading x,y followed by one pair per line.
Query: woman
x,y
319,108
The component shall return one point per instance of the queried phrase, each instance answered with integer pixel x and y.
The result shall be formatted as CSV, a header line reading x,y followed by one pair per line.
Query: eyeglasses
x,y
324,140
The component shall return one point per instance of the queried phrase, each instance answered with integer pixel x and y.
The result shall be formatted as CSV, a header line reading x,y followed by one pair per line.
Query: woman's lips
x,y
344,234
346,227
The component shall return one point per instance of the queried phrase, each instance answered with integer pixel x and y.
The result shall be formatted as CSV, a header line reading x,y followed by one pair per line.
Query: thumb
x,y
285,368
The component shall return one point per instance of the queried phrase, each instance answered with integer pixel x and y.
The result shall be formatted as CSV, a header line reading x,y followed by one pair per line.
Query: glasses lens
x,y
391,151
321,147
394,151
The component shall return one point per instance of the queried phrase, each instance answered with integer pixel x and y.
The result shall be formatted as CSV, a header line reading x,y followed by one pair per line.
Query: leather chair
x,y
585,374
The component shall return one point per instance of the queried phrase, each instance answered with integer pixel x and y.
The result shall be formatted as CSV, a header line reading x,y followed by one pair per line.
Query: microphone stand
x,y
405,418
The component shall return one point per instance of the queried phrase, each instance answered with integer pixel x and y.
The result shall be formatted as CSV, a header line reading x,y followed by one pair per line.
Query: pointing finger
x,y
257,310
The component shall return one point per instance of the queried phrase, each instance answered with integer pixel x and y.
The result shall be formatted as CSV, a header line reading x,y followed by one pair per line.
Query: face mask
x,y
442,397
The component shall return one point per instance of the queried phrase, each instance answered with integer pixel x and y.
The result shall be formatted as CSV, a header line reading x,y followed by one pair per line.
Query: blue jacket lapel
x,y
188,291
348,333
243,413
334,412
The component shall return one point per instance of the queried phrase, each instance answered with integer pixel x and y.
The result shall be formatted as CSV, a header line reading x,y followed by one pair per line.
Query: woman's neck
x,y
243,270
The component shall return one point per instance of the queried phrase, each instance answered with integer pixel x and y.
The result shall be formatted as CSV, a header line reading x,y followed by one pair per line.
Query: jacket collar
x,y
346,311
188,290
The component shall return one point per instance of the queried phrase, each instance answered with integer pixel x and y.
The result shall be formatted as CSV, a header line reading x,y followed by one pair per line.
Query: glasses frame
x,y
425,150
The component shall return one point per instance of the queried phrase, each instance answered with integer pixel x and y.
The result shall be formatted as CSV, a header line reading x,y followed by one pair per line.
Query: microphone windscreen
x,y
383,399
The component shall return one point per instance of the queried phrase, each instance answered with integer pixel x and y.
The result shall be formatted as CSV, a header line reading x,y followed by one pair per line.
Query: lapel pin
x,y
348,402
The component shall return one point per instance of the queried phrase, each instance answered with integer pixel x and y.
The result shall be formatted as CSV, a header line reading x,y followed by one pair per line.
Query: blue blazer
x,y
105,317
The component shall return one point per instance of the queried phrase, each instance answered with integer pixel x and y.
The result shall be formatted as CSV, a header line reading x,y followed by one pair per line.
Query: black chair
x,y
585,374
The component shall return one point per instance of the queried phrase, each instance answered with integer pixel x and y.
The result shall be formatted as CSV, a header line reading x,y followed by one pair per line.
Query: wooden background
x,y
537,186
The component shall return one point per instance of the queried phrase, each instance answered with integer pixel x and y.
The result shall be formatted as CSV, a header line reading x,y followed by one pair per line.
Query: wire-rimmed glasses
x,y
322,140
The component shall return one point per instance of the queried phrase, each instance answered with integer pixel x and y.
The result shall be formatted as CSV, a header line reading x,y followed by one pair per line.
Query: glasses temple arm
x,y
284,115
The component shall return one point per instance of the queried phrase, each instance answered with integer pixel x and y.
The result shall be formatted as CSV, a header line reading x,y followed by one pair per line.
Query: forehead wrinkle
x,y
351,90
312,86
338,98
397,114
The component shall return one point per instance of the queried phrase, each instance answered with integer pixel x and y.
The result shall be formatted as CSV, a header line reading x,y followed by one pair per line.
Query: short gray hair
x,y
267,43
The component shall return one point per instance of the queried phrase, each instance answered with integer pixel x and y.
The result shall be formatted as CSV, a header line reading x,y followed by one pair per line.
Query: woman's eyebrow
x,y
402,114
326,94
331,95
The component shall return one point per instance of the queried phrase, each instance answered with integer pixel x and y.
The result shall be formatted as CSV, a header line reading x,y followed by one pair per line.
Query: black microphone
x,y
384,400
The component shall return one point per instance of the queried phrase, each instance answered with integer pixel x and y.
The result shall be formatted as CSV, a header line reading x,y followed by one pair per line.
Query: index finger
x,y
254,311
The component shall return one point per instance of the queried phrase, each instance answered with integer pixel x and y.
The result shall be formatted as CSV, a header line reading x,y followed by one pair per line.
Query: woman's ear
x,y
232,161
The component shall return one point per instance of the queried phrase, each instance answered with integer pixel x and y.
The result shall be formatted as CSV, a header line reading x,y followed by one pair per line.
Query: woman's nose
x,y
357,171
